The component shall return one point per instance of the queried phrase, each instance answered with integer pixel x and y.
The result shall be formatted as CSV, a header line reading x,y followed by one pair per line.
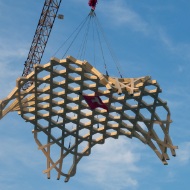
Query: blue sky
x,y
149,38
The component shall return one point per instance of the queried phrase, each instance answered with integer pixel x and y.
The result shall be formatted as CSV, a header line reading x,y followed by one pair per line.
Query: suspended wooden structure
x,y
66,125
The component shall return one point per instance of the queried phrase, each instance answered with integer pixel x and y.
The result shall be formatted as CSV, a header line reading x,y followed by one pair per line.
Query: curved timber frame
x,y
66,127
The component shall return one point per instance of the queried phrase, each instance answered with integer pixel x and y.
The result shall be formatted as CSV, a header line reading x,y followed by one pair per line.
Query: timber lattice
x,y
64,123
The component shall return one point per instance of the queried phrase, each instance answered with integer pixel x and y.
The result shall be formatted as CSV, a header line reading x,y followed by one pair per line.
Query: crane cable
x,y
114,57
82,49
79,27
101,48
97,30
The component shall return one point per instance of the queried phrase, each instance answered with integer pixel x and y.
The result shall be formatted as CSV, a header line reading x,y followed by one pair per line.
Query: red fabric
x,y
92,4
94,102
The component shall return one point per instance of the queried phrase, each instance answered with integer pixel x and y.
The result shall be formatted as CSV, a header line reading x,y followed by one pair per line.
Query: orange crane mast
x,y
43,30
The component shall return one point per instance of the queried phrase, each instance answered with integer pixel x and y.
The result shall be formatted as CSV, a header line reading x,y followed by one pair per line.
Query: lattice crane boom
x,y
43,30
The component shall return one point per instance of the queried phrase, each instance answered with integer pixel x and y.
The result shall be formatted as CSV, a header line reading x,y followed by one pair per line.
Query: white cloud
x,y
180,49
17,158
178,96
19,150
184,153
12,49
11,52
171,176
113,164
120,14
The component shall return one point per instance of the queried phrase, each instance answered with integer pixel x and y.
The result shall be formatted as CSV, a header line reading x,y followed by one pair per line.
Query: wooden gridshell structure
x,y
64,124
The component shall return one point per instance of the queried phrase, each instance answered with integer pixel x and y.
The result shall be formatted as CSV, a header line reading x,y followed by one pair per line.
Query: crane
x,y
43,30
41,36
68,112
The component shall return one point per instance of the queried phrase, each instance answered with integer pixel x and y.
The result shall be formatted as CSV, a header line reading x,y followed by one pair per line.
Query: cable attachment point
x,y
92,13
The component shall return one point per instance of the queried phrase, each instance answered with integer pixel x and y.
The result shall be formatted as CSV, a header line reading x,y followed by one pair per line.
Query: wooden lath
x,y
66,127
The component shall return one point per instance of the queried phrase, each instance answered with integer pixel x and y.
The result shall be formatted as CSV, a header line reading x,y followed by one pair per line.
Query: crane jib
x,y
43,30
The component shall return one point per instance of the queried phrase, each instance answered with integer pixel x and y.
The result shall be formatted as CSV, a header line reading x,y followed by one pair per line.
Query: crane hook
x,y
92,4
